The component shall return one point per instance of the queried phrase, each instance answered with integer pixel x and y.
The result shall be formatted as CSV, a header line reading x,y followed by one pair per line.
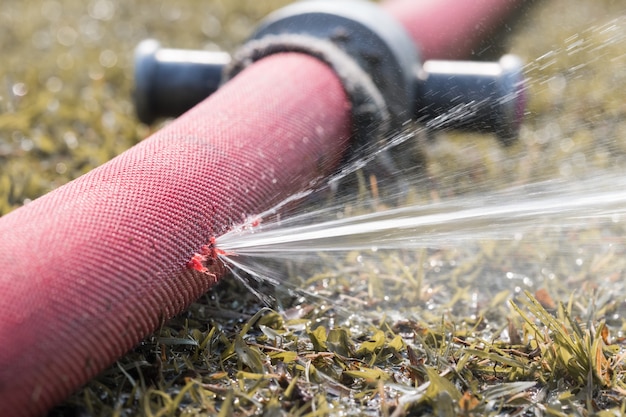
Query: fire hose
x,y
94,266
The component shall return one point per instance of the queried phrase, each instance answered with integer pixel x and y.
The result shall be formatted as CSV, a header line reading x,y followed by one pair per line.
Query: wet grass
x,y
533,326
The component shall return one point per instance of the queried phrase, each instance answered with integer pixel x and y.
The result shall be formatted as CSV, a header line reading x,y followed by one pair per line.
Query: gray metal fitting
x,y
478,96
366,33
169,82
483,96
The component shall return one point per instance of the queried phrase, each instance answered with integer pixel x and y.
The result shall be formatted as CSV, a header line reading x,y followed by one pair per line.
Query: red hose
x,y
93,267
451,29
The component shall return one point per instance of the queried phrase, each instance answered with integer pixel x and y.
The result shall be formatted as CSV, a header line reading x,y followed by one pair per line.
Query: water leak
x,y
478,223
552,205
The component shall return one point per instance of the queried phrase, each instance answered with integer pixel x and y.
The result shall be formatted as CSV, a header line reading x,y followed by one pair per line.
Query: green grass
x,y
485,329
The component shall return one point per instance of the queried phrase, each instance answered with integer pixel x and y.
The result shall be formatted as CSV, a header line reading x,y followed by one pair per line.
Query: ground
x,y
528,326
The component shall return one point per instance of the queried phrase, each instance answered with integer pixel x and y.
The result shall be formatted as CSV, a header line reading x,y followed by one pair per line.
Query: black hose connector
x,y
168,82
367,34
481,96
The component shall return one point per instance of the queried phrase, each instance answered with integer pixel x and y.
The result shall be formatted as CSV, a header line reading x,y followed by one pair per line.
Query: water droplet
x,y
54,84
67,36
108,58
70,140
90,28
19,89
96,73
27,144
101,9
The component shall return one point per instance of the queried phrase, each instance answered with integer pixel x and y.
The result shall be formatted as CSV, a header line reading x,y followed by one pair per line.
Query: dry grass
x,y
485,329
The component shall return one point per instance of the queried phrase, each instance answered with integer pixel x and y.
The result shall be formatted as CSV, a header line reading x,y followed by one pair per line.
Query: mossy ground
x,y
416,333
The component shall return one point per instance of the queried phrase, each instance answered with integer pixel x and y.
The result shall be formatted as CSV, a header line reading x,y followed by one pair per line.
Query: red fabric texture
x,y
91,268
450,29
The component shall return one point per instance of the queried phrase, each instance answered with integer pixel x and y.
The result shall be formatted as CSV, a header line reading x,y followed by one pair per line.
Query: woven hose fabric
x,y
452,29
91,268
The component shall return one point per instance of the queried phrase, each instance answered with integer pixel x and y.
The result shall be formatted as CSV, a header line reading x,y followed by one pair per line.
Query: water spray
x,y
111,253
504,215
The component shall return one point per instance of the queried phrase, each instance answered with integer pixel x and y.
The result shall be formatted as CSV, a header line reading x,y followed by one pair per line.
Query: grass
x,y
485,329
